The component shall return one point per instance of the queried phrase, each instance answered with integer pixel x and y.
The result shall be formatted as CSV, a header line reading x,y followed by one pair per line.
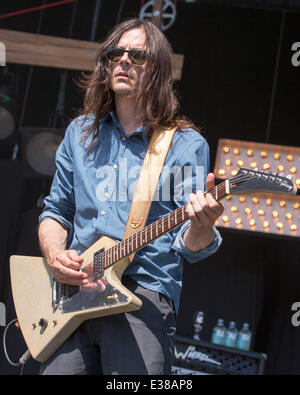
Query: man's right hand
x,y
65,265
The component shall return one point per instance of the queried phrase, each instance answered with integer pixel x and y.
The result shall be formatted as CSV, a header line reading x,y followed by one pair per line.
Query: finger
x,y
100,285
68,273
214,205
198,214
73,255
67,262
210,181
68,280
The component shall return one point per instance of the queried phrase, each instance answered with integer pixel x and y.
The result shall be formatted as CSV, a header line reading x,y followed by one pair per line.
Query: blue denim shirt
x,y
91,196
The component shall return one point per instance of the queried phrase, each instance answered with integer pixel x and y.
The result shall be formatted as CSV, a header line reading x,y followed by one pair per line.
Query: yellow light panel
x,y
260,212
273,219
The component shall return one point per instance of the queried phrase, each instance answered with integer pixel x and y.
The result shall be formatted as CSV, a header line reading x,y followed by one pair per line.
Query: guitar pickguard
x,y
86,299
103,295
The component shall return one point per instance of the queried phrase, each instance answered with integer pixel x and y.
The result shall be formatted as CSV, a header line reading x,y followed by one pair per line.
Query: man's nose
x,y
125,59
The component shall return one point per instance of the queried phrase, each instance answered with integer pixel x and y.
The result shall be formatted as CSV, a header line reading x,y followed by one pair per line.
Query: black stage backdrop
x,y
226,88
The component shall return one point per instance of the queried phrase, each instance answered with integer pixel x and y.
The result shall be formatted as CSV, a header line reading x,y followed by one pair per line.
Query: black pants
x,y
133,343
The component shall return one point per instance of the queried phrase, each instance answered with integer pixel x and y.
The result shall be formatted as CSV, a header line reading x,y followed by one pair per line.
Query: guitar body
x,y
48,316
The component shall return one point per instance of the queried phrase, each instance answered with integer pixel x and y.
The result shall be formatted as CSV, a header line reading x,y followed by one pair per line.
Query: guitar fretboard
x,y
156,229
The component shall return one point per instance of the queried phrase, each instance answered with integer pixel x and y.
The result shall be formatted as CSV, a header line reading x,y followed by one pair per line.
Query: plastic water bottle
x,y
219,333
198,324
244,338
231,335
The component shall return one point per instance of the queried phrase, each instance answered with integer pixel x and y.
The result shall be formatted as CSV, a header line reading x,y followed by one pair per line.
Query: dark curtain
x,y
18,236
228,79
10,208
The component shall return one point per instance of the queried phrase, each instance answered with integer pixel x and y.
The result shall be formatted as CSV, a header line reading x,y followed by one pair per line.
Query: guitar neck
x,y
156,229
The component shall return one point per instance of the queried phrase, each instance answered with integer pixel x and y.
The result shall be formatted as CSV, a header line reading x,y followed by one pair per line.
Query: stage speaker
x,y
193,357
39,146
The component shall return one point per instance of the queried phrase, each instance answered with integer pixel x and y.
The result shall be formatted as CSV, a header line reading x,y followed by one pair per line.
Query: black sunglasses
x,y
136,56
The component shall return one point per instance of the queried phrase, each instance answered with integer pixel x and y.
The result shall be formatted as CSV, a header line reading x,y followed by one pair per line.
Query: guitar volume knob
x,y
43,323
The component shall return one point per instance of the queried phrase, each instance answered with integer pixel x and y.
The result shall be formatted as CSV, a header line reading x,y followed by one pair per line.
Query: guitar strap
x,y
147,183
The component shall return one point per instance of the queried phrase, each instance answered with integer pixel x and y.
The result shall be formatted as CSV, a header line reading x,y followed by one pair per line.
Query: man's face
x,y
127,77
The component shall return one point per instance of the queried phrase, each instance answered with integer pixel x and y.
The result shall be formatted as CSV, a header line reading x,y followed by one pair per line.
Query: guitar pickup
x,y
98,267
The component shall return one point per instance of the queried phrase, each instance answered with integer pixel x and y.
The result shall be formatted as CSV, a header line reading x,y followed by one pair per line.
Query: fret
x,y
162,225
127,245
142,238
131,244
175,217
151,237
109,257
105,260
124,247
121,249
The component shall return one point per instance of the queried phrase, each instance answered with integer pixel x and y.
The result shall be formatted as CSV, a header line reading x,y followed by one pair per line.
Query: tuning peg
x,y
289,176
256,169
282,175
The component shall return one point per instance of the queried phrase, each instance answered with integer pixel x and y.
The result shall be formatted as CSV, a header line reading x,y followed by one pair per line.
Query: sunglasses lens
x,y
114,54
137,56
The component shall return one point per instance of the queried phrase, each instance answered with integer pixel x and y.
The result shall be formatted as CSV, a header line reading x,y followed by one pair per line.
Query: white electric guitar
x,y
49,312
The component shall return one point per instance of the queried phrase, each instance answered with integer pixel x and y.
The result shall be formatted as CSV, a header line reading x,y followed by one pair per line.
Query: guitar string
x,y
116,252
144,233
118,249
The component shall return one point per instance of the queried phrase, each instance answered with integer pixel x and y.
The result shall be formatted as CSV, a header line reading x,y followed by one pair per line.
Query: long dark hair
x,y
156,96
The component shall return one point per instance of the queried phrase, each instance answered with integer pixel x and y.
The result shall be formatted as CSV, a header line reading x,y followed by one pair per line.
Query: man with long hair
x,y
128,96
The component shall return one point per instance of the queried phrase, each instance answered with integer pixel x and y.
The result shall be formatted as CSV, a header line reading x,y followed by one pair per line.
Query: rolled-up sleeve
x,y
195,256
60,204
196,159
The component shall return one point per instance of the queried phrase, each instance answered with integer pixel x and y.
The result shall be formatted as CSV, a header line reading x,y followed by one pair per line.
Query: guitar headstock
x,y
248,181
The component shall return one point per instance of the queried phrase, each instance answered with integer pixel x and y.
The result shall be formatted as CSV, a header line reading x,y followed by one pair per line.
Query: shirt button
x,y
106,194
115,166
102,212
124,138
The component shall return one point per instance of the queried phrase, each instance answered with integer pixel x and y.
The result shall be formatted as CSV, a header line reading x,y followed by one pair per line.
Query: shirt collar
x,y
140,131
